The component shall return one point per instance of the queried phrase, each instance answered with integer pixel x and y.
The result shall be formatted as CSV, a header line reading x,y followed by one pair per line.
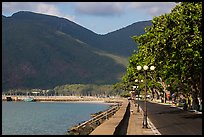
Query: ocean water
x,y
45,118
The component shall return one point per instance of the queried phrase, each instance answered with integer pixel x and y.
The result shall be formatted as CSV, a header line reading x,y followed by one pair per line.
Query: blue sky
x,y
99,17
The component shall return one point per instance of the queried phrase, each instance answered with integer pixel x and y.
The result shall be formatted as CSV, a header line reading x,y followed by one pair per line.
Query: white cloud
x,y
99,8
153,8
118,8
11,7
49,8
46,9
89,8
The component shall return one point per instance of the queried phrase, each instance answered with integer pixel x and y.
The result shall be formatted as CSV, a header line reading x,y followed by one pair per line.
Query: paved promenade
x,y
109,126
163,119
133,126
135,123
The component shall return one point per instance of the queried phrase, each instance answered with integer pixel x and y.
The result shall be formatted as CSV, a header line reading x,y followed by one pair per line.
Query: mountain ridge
x,y
46,52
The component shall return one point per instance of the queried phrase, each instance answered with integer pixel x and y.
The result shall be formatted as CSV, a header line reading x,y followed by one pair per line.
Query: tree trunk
x,y
166,92
195,102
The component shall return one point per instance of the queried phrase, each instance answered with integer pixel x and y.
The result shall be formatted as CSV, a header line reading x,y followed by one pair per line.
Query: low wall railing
x,y
117,124
88,126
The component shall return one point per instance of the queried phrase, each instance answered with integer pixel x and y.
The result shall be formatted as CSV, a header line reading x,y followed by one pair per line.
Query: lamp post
x,y
145,67
138,110
134,89
138,94
137,91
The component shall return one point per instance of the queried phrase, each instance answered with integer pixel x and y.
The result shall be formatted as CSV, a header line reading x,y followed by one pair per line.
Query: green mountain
x,y
120,41
42,51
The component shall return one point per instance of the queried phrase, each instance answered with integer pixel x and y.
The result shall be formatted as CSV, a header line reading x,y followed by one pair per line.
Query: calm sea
x,y
45,118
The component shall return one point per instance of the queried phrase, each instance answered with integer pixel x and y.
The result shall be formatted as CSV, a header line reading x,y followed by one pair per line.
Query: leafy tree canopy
x,y
173,44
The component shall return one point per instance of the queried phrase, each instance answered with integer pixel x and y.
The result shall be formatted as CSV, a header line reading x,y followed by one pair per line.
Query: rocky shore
x,y
88,99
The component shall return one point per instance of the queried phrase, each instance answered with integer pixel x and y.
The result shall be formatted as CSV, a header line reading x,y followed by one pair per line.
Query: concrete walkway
x,y
109,126
135,123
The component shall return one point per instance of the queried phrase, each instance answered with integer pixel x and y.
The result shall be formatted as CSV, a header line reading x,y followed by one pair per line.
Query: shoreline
x,y
75,99
94,102
67,99
87,102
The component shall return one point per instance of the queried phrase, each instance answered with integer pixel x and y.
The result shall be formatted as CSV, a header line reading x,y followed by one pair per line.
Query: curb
x,y
153,128
151,125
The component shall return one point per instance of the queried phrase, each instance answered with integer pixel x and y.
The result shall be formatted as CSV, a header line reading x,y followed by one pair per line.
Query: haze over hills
x,y
42,51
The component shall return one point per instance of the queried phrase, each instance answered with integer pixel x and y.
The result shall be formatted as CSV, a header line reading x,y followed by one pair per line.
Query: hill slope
x,y
41,51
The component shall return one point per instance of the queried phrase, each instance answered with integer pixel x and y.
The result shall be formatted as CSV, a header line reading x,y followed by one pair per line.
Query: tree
x,y
174,45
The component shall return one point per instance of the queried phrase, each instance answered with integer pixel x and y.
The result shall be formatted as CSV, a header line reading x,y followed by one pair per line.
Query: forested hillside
x,y
42,51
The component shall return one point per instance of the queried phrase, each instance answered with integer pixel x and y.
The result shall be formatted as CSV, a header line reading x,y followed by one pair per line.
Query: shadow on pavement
x,y
171,112
193,116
